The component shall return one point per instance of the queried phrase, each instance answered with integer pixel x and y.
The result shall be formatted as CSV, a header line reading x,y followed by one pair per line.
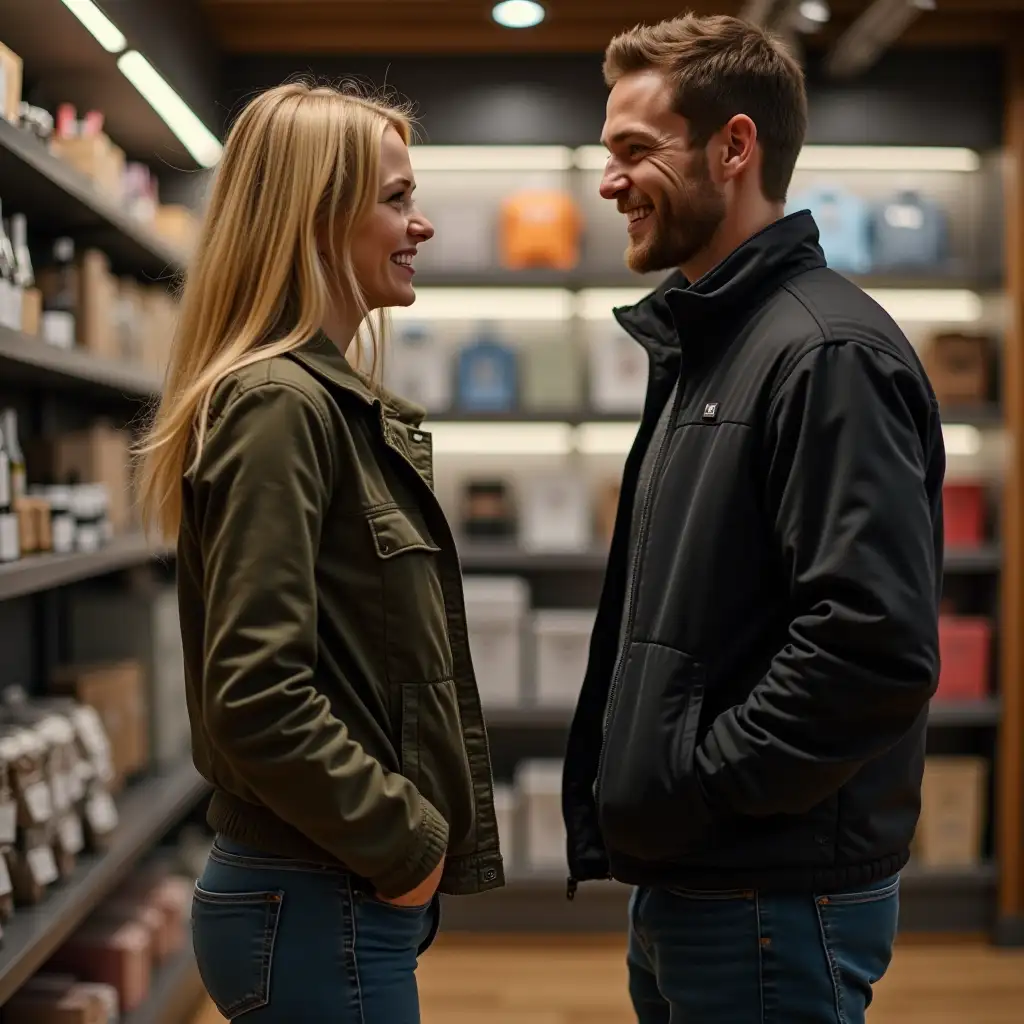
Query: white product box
x,y
555,513
496,609
505,811
561,644
539,785
418,367
618,370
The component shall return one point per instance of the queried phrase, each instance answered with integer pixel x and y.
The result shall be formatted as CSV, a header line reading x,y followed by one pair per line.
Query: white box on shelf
x,y
618,370
555,513
496,609
539,786
505,811
561,644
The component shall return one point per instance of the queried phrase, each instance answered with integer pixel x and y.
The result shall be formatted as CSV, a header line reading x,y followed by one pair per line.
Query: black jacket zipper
x,y
627,637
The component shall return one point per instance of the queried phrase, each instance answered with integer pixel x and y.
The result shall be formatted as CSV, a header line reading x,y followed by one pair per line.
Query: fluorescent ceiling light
x,y
846,158
191,132
487,304
491,158
929,305
469,438
518,13
106,33
816,11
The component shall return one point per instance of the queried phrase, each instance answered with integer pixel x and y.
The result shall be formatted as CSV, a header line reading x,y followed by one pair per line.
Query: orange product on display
x,y
540,229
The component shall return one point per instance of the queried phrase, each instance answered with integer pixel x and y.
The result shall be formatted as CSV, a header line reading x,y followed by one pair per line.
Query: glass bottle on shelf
x,y
24,274
10,536
15,455
60,305
10,294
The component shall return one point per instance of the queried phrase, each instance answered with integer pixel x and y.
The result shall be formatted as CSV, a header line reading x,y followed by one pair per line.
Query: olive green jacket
x,y
332,698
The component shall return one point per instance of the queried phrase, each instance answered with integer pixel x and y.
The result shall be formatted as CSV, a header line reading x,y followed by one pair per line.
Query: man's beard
x,y
683,225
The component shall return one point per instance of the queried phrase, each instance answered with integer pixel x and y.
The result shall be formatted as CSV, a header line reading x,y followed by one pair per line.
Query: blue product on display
x,y
910,231
844,226
487,376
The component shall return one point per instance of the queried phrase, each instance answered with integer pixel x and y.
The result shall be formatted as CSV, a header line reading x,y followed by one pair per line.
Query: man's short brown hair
x,y
719,67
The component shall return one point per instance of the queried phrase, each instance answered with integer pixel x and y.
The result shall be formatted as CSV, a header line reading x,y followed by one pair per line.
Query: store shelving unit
x,y
148,809
31,361
58,200
967,293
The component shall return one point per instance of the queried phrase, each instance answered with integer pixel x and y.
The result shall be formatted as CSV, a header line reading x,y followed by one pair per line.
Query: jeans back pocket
x,y
233,935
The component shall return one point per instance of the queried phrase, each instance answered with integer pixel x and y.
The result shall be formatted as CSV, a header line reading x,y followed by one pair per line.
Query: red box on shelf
x,y
964,515
965,646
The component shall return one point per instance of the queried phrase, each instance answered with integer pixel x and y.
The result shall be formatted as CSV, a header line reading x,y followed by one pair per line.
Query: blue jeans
x,y
281,941
754,958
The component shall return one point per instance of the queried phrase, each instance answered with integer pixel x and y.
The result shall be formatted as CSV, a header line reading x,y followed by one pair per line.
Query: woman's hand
x,y
423,893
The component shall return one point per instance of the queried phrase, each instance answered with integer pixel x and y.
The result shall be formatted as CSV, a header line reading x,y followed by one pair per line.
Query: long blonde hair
x,y
257,287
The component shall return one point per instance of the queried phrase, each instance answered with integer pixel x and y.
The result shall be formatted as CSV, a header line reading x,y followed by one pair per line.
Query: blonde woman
x,y
332,699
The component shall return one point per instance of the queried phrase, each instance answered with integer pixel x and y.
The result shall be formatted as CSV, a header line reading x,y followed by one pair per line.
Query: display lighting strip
x,y
538,304
204,147
103,30
904,305
491,158
560,440
846,158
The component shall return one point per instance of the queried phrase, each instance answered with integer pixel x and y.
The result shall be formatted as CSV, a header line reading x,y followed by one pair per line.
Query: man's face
x,y
662,186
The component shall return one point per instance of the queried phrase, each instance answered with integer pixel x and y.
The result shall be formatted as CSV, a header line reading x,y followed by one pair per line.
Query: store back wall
x,y
911,98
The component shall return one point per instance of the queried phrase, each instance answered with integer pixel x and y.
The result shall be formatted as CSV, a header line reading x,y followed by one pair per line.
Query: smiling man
x,y
748,746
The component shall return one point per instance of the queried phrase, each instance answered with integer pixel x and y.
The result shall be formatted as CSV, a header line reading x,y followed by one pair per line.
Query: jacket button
x,y
489,874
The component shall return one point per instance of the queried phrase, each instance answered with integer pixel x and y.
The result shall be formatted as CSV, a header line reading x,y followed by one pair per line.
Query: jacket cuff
x,y
424,852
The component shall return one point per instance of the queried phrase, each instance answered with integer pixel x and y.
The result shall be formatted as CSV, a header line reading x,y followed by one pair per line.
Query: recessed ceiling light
x,y
518,13
816,11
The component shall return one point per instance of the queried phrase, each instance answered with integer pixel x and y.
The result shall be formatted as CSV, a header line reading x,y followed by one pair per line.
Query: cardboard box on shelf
x,y
958,368
100,454
178,225
950,831
47,983
159,317
31,311
117,692
112,953
10,84
62,1000
97,158
97,305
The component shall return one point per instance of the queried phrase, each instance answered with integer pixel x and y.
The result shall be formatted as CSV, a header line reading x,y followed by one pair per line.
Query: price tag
x,y
102,813
39,802
8,822
5,878
72,839
42,864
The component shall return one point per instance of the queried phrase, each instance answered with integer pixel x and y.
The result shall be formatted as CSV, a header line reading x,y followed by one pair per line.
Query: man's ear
x,y
739,146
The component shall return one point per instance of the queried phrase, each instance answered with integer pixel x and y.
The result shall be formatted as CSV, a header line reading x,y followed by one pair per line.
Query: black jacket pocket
x,y
650,804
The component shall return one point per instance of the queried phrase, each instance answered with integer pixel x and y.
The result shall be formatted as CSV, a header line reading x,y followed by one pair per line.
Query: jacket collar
x,y
323,357
676,311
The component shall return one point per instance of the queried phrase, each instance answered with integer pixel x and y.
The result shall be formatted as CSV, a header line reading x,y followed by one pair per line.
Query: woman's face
x,y
384,243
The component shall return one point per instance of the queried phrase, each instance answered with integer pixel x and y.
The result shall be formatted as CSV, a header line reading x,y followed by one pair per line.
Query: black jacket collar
x,y
676,311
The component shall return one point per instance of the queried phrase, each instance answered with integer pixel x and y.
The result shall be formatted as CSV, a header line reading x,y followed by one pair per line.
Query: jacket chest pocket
x,y
416,645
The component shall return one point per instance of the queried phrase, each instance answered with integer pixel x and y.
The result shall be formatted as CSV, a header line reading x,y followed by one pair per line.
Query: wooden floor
x,y
534,980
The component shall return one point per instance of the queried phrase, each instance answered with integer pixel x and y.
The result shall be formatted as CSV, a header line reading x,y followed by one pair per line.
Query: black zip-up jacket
x,y
765,727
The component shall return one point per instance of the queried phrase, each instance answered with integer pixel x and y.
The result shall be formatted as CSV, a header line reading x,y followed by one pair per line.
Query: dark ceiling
x,y
194,42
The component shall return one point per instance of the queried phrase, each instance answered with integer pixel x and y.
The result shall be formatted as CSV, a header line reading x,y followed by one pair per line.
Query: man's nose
x,y
613,181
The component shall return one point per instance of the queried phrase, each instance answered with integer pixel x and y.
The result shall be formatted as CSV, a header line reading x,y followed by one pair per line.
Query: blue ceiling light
x,y
518,13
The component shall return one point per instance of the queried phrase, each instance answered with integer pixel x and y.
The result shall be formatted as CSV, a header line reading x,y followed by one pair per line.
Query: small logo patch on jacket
x,y
710,411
